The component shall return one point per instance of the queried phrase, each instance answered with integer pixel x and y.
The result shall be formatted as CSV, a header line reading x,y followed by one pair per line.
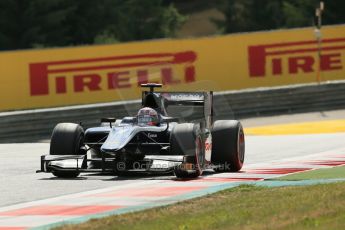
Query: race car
x,y
173,132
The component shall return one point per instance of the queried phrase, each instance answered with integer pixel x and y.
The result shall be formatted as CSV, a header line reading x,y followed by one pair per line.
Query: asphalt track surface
x,y
20,183
18,162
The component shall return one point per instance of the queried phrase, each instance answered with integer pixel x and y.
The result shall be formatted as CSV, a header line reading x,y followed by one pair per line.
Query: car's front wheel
x,y
67,139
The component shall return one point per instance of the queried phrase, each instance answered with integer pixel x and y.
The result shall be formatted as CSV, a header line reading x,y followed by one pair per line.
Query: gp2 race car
x,y
172,132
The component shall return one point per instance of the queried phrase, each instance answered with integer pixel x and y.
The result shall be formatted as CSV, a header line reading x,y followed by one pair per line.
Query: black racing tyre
x,y
186,140
66,174
67,139
228,145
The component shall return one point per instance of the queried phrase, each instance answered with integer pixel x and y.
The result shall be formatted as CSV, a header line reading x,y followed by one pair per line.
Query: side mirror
x,y
108,119
170,119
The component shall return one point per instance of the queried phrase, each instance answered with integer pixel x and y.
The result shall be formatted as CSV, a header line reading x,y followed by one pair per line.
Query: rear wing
x,y
187,106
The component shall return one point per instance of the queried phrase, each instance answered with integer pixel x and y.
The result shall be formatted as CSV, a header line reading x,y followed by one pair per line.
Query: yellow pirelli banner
x,y
91,74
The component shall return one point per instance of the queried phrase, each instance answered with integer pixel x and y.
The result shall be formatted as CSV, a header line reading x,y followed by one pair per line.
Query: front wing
x,y
80,163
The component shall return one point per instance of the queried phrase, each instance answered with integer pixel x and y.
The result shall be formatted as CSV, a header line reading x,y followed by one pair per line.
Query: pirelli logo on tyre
x,y
291,58
109,73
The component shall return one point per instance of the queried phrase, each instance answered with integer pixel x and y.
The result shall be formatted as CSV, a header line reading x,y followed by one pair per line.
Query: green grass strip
x,y
320,206
326,173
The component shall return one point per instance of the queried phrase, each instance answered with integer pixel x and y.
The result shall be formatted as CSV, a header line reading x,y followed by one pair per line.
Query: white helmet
x,y
147,116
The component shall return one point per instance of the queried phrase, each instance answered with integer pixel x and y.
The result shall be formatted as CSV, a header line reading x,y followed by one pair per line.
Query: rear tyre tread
x,y
228,145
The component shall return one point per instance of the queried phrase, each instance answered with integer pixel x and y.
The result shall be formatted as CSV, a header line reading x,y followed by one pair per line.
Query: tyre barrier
x,y
36,125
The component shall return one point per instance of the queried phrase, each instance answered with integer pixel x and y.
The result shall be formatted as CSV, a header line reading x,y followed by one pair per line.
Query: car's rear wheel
x,y
228,145
186,140
67,139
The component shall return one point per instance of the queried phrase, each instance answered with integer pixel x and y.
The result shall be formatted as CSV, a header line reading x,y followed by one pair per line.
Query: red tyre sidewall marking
x,y
240,143
197,153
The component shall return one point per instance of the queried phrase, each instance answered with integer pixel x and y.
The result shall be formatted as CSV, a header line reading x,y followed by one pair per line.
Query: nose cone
x,y
118,138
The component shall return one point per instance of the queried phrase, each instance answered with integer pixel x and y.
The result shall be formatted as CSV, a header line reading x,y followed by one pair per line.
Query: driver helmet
x,y
147,116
